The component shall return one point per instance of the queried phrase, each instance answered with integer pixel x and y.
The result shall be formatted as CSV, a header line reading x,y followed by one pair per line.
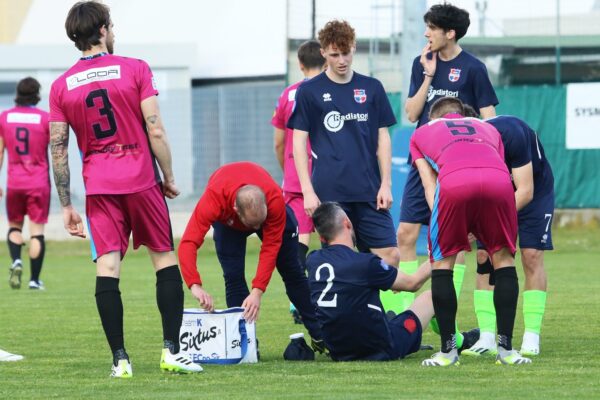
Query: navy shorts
x,y
535,224
414,208
374,228
406,333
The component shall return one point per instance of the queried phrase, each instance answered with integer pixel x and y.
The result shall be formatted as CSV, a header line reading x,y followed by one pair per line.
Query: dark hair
x,y
309,54
470,111
28,92
84,21
446,105
328,219
448,17
338,33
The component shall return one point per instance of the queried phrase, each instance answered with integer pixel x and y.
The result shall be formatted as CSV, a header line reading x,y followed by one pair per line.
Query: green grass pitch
x,y
67,357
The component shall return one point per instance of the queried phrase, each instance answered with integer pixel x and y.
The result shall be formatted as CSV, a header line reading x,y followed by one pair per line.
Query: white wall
x,y
170,65
228,38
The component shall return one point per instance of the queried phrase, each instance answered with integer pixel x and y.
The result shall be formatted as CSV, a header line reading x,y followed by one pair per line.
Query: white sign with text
x,y
583,116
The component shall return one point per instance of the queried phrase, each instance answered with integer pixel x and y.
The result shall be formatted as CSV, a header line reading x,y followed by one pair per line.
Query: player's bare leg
x,y
534,299
423,308
15,242
169,297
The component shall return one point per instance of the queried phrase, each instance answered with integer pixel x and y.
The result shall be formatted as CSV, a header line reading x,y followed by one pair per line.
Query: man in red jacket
x,y
240,199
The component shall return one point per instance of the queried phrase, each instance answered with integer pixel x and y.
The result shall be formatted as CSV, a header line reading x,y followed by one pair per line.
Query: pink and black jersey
x,y
25,133
100,98
283,111
453,142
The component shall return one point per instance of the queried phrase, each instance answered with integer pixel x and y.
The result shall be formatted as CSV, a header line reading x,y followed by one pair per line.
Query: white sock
x,y
487,338
531,340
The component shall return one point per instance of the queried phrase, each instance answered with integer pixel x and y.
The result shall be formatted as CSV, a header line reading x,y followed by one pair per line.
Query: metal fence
x,y
232,122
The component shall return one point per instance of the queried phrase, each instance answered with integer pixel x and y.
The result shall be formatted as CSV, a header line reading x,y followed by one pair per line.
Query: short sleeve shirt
x,y
100,99
464,77
343,121
26,135
345,287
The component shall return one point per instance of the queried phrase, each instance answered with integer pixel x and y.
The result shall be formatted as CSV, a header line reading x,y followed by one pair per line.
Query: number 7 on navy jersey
x,y
106,110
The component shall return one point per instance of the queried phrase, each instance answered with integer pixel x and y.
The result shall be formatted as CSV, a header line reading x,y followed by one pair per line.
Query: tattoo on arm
x,y
151,119
59,146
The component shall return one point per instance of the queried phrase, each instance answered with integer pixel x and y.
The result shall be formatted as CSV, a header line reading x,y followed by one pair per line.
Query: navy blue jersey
x,y
344,287
464,77
343,122
521,145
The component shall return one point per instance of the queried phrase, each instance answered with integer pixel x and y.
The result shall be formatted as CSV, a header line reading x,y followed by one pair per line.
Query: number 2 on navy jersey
x,y
106,110
333,301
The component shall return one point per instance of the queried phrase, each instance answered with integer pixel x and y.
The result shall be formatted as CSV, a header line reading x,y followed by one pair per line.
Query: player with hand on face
x,y
442,69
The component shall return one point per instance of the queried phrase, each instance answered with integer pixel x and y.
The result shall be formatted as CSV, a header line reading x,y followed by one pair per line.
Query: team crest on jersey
x,y
360,96
292,95
454,75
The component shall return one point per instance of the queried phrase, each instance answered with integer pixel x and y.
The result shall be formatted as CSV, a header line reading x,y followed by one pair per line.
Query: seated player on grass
x,y
345,288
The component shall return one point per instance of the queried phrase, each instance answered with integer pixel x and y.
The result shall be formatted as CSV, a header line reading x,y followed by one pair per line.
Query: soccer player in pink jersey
x,y
469,190
311,63
25,135
111,104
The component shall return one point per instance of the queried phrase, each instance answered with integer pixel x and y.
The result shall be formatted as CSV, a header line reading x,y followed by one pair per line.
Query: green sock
x,y
534,305
399,302
458,277
459,339
435,327
433,324
391,301
485,311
